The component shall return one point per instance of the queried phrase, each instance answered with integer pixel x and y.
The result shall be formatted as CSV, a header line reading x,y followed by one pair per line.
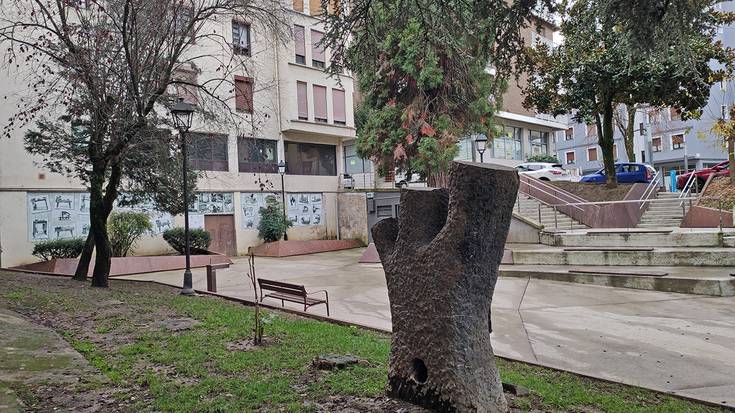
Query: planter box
x,y
290,248
126,265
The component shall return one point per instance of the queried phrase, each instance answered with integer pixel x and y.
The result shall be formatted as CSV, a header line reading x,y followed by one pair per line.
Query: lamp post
x,y
481,141
182,114
282,171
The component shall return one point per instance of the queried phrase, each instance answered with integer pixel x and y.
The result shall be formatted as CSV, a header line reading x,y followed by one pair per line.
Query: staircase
x,y
528,208
665,213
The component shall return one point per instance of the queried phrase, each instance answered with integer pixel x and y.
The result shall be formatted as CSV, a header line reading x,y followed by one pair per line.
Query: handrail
x,y
687,189
553,195
651,187
630,201
537,182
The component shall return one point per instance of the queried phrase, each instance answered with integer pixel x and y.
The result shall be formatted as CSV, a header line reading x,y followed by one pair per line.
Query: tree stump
x,y
441,261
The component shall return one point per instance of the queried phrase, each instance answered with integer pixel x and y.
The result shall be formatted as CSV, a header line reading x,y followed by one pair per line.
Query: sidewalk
x,y
676,343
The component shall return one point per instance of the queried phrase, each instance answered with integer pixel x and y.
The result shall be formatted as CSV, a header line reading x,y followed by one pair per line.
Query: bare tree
x,y
115,64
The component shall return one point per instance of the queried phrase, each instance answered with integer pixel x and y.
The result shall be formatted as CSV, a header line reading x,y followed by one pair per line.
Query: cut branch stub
x,y
441,261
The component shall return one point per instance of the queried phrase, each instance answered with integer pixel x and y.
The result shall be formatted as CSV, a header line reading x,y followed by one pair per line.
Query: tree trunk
x,y
731,157
437,180
83,266
606,141
100,209
630,133
441,261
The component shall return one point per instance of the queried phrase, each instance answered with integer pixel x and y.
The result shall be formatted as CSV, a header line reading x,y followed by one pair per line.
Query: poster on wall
x,y
66,215
305,209
57,215
251,202
213,203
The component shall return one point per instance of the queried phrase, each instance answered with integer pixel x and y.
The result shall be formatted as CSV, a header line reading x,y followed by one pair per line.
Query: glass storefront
x,y
509,145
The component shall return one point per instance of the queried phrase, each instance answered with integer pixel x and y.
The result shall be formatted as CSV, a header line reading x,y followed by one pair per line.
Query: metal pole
x,y
539,212
283,199
188,285
719,207
481,161
556,224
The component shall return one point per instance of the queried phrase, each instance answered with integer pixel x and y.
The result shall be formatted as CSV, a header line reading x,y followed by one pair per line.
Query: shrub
x,y
59,248
124,229
543,158
199,239
272,222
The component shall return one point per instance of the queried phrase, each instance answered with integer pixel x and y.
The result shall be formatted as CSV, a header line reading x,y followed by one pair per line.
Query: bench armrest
x,y
326,294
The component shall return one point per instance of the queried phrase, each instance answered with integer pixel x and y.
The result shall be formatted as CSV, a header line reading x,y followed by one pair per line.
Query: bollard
x,y
212,275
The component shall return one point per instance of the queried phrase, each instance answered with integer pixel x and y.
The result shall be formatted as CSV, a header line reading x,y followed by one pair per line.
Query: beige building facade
x,y
288,108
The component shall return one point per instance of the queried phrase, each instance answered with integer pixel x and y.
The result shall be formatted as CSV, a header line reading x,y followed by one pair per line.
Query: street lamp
x,y
182,114
480,141
282,171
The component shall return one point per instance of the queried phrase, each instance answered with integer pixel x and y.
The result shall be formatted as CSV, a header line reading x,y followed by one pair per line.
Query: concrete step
x,y
694,257
643,238
661,216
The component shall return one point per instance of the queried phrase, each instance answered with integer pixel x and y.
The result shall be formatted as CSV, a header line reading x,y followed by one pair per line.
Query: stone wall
x,y
352,216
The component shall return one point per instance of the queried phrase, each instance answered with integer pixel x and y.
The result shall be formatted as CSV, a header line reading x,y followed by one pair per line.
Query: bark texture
x,y
441,261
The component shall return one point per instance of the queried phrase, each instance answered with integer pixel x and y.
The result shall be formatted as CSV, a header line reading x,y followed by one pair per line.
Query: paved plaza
x,y
677,343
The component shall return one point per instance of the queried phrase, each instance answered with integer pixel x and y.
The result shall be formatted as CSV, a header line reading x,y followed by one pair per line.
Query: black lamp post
x,y
282,171
182,114
481,141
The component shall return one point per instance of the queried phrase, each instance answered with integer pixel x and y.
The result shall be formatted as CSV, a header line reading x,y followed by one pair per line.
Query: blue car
x,y
627,173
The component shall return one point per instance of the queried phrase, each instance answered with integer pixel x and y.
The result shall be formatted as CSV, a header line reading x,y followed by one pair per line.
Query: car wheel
x,y
700,183
543,178
401,184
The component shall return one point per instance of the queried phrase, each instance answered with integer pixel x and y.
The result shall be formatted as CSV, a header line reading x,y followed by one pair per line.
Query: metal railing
x,y
629,201
652,186
692,182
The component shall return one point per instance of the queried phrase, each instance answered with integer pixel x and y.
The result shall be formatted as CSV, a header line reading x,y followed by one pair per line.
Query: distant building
x,y
676,144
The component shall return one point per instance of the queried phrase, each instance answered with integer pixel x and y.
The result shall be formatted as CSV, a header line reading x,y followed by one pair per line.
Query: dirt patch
x,y
594,192
720,187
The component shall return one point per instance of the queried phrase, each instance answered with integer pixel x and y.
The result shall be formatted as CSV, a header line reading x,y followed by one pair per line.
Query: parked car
x,y
627,173
721,169
545,171
403,179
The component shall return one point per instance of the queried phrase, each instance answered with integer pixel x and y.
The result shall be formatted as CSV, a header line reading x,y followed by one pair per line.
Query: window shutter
x,y
302,102
338,105
298,5
317,52
315,7
243,94
299,38
320,102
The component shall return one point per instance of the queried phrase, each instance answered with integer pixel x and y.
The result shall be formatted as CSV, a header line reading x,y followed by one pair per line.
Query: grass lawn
x,y
210,366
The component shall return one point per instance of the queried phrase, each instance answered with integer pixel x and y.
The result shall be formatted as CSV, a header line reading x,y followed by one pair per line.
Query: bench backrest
x,y
282,287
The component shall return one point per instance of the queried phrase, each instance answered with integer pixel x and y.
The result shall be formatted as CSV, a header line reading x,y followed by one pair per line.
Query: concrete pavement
x,y
676,343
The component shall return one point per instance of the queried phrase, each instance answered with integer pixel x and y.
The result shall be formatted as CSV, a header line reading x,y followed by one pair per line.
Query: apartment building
x,y
525,132
291,111
674,144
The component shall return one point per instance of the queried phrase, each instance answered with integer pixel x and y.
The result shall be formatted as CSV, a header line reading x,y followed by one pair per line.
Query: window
x,y
338,107
208,152
655,116
241,38
569,134
641,129
353,163
656,143
315,7
298,5
302,101
569,158
320,103
317,50
677,141
508,145
334,7
300,41
591,129
244,94
592,154
675,113
615,151
311,159
183,17
541,30
539,142
256,155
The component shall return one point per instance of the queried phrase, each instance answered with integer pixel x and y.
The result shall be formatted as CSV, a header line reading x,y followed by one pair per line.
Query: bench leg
x,y
327,303
282,304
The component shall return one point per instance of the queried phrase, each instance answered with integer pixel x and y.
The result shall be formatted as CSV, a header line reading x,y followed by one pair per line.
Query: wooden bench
x,y
293,293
